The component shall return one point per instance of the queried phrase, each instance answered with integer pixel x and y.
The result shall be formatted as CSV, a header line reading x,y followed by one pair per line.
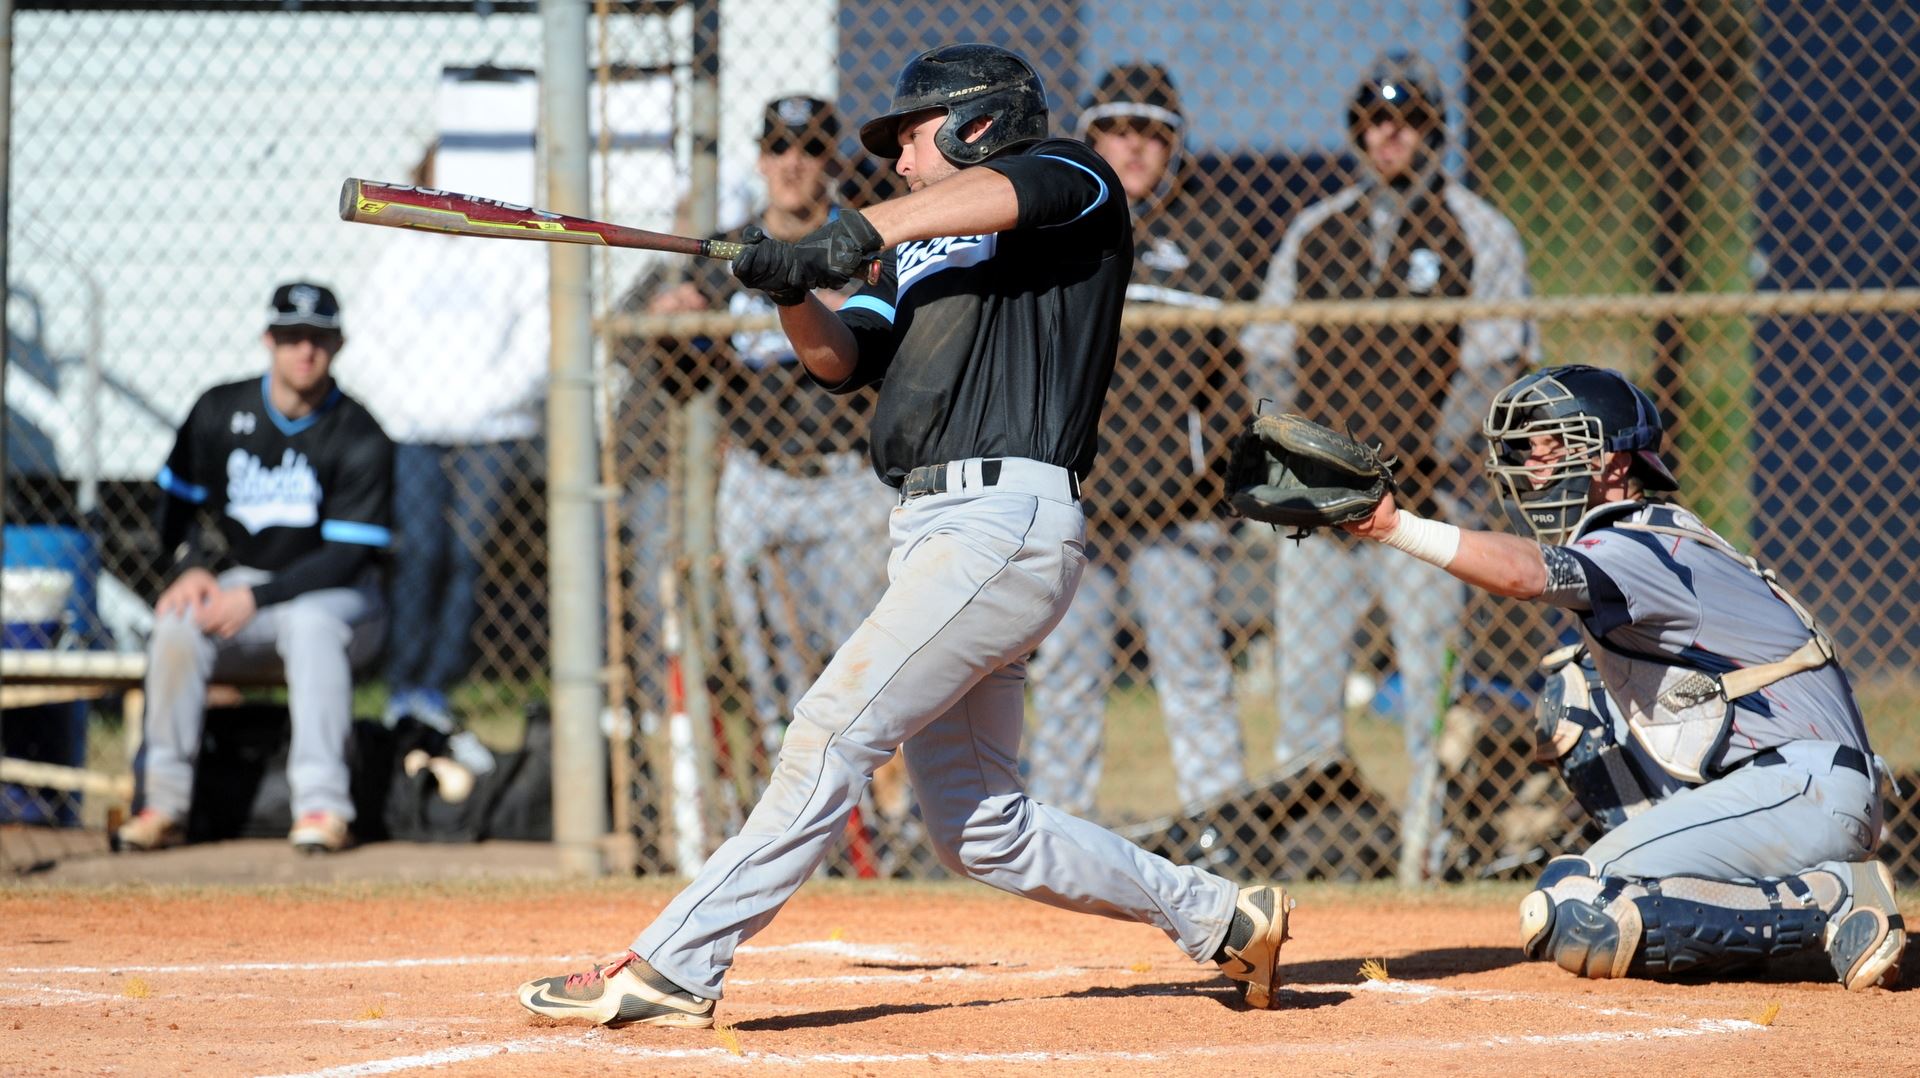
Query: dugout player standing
x,y
991,335
1745,798
1405,231
799,514
299,477
1152,499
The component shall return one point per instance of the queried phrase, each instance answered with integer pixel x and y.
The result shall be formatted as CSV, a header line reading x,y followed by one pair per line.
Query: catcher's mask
x,y
968,81
1593,412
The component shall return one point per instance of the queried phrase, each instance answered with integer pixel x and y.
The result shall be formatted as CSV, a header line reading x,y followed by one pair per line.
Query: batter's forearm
x,y
973,202
823,343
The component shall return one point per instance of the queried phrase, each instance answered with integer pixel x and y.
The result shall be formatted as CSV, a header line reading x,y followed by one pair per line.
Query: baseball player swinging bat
x,y
407,206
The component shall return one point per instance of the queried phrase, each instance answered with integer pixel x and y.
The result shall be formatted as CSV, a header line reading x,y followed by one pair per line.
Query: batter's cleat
x,y
625,991
1251,952
1865,945
320,832
150,830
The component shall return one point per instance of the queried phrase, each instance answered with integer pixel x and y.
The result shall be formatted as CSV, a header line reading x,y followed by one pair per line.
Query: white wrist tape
x,y
1432,541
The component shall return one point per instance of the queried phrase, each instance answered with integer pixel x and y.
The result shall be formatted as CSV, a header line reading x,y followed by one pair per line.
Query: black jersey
x,y
1000,345
308,499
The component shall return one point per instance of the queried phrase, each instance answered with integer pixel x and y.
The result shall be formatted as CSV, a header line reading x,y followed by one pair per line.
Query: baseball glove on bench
x,y
1287,470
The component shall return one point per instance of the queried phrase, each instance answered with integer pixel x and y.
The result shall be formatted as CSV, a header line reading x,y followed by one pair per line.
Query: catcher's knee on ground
x,y
1603,927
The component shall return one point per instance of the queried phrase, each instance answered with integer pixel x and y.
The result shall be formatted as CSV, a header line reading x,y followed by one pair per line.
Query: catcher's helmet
x,y
968,81
1594,412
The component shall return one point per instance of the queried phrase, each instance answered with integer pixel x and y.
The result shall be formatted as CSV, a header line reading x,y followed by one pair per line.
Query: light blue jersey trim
x,y
870,303
181,489
348,531
1098,202
294,426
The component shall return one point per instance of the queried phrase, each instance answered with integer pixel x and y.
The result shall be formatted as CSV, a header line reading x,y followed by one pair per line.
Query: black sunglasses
x,y
328,339
812,147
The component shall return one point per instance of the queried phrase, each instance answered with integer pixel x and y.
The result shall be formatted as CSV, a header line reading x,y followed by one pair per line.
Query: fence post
x,y
579,749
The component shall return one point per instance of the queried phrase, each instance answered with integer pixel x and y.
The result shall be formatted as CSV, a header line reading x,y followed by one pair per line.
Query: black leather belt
x,y
1845,756
932,478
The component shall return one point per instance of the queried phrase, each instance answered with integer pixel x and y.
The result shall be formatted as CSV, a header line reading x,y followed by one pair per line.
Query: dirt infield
x,y
862,980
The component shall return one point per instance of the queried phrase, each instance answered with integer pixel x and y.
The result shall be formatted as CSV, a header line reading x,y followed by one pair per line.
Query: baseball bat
x,y
406,206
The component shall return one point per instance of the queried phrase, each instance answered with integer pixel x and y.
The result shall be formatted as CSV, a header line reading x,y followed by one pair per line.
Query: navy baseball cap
x,y
799,120
300,303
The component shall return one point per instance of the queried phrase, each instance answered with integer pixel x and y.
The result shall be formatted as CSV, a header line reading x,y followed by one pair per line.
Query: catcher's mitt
x,y
1289,470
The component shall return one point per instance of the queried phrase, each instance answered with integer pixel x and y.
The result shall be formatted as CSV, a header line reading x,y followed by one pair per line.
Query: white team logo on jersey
x,y
1423,270
242,423
284,496
923,258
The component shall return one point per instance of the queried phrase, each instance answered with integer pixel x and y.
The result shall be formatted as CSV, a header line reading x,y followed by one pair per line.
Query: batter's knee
x,y
990,840
1575,920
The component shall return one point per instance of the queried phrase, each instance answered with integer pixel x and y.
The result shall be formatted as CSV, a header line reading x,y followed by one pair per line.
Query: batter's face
x,y
303,357
796,171
1390,147
921,163
1137,149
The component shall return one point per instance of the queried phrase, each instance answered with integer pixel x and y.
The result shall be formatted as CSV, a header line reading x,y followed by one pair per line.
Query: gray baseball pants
x,y
1171,582
978,577
1754,822
312,641
818,538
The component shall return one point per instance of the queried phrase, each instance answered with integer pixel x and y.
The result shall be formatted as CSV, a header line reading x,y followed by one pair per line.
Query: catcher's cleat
x,y
625,991
1251,952
150,830
1865,945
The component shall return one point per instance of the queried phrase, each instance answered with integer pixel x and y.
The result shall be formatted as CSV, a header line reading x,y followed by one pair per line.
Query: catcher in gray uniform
x,y
1717,733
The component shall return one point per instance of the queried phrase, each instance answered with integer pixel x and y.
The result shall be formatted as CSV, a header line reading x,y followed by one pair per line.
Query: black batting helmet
x,y
969,81
1594,412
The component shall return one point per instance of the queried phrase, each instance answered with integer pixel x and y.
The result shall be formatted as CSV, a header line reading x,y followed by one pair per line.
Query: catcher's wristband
x,y
1432,541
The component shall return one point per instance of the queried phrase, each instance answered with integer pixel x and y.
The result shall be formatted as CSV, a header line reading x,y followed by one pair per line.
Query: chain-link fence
x,y
1707,196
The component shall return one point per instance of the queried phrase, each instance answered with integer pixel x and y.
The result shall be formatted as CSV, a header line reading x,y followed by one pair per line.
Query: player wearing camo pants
x,y
799,512
991,335
1724,742
299,477
1153,499
1406,231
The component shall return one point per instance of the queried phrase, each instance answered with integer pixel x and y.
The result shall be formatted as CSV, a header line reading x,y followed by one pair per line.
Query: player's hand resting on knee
x,y
188,593
227,612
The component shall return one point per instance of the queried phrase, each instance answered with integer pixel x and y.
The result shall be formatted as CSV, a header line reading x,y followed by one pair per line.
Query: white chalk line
x,y
835,948
600,1046
1410,992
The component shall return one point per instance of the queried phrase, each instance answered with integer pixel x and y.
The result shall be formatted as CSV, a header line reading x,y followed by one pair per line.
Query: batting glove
x,y
768,265
830,256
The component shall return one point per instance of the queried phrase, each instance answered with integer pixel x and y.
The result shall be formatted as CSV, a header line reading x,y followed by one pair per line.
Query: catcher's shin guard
x,y
1614,927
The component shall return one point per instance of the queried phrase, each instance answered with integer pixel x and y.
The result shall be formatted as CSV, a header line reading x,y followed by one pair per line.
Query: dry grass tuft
x,y
1374,969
